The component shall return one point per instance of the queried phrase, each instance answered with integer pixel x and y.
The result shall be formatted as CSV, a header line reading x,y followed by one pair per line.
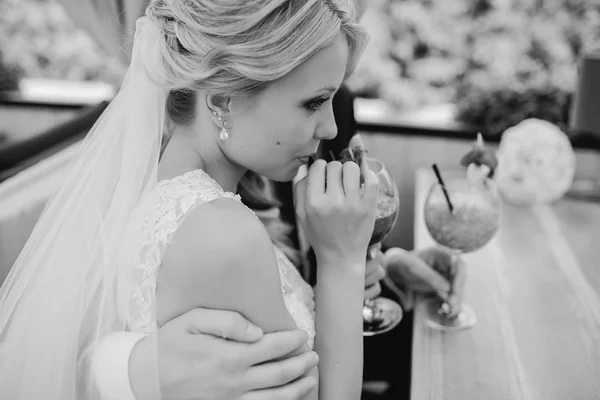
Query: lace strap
x,y
174,200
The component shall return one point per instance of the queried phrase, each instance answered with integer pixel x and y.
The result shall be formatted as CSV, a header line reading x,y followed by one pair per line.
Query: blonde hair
x,y
232,47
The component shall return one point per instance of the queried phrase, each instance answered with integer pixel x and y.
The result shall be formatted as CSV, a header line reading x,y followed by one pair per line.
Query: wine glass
x,y
381,314
462,216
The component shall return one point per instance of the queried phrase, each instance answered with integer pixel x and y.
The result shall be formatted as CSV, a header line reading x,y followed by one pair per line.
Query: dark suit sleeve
x,y
343,111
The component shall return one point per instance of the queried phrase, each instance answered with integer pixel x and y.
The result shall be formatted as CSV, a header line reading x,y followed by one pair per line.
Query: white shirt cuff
x,y
111,365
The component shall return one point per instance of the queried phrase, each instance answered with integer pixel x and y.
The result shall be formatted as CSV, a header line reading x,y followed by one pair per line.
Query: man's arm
x,y
111,365
201,363
428,271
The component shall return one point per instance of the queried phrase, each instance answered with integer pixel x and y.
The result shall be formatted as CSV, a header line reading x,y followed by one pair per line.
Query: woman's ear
x,y
219,103
220,108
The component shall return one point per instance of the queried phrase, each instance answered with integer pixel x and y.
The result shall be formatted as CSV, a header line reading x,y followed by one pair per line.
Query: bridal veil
x,y
64,293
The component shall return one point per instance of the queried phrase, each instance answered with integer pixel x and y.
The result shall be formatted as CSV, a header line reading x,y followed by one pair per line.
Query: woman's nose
x,y
327,128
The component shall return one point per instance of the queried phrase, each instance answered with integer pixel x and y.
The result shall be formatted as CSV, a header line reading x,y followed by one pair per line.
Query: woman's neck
x,y
186,152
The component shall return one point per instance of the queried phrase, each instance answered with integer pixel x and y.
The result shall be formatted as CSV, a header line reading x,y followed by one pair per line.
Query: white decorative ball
x,y
536,163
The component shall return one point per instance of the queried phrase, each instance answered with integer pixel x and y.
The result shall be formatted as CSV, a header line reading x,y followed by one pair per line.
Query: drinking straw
x,y
441,181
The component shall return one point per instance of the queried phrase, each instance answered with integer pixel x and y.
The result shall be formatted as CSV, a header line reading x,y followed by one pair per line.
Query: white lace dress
x,y
153,227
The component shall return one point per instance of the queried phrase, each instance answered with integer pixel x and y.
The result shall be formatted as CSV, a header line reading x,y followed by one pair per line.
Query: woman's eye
x,y
315,104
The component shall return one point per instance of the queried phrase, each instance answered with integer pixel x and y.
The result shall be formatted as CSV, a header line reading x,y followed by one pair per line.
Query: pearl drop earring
x,y
223,135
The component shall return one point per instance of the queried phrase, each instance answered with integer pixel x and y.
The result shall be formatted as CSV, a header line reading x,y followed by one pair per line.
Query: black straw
x,y
441,181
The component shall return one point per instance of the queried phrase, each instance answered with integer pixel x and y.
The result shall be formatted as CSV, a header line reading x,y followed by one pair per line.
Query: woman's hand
x,y
195,362
336,211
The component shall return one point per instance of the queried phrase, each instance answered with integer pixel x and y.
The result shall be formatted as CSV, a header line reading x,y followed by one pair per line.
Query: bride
x,y
242,89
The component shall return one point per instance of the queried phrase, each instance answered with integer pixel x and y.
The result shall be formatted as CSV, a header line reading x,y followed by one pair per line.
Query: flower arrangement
x,y
536,163
498,61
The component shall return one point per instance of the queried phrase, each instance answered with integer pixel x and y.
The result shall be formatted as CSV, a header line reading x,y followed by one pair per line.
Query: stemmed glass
x,y
462,216
381,314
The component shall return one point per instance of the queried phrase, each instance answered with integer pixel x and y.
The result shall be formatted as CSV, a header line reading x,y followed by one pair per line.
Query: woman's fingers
x,y
336,178
334,186
371,188
315,185
351,178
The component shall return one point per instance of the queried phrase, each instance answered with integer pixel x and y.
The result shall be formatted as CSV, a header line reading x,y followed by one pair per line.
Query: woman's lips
x,y
306,159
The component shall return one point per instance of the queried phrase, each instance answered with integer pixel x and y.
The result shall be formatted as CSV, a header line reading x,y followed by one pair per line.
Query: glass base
x,y
436,319
386,315
585,189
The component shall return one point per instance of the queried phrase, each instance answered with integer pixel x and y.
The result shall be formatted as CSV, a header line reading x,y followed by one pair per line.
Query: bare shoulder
x,y
222,257
220,231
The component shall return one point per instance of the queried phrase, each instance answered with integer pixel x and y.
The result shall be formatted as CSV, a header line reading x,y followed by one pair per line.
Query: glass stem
x,y
451,307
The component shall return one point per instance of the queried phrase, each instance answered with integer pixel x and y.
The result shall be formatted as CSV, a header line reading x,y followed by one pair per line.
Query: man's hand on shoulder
x,y
209,354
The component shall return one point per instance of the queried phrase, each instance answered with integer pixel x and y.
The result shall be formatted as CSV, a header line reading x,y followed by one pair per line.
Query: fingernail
x,y
443,295
254,331
304,335
312,382
372,253
315,359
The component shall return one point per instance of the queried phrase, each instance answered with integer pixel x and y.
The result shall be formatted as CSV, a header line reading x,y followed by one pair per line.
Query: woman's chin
x,y
285,174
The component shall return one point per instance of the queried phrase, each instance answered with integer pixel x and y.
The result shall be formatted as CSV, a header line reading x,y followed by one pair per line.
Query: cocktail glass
x,y
382,314
471,224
